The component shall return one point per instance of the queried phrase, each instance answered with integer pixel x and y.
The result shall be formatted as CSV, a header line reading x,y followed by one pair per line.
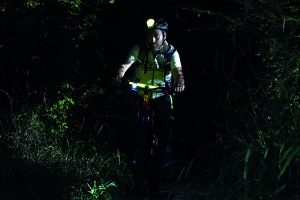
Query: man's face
x,y
156,38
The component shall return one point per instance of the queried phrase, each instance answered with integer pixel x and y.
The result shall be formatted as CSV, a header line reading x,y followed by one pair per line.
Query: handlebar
x,y
144,86
150,88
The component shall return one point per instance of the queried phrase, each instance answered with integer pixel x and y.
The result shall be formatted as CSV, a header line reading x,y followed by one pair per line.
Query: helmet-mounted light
x,y
150,23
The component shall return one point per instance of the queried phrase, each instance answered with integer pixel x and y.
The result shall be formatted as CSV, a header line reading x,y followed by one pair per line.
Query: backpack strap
x,y
143,56
168,55
143,59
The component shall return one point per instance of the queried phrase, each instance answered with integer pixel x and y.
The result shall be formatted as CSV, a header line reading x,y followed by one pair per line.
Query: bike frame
x,y
146,114
147,157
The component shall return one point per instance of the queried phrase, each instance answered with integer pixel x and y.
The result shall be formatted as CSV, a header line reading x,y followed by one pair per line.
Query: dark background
x,y
42,49
235,124
217,71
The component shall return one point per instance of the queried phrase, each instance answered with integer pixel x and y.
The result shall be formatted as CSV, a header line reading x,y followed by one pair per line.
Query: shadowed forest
x,y
64,128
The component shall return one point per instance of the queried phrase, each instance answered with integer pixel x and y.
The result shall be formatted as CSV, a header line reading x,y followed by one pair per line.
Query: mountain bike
x,y
147,158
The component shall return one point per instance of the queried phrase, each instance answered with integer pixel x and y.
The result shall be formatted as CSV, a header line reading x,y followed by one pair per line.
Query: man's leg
x,y
163,129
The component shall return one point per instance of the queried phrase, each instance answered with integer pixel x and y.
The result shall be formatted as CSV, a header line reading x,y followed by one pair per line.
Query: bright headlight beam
x,y
150,23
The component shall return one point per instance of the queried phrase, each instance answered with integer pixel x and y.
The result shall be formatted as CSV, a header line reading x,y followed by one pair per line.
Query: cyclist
x,y
156,62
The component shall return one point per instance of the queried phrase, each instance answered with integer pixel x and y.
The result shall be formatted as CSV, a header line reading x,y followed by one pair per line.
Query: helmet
x,y
159,24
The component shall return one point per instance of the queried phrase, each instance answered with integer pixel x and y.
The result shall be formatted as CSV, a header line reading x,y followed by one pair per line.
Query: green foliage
x,y
286,158
86,27
46,136
101,191
260,160
72,5
57,114
32,4
261,145
29,134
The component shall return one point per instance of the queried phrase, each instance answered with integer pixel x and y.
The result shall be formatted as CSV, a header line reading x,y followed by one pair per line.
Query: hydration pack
x,y
143,54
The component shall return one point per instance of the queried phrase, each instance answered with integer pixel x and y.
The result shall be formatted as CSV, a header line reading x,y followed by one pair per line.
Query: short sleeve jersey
x,y
154,69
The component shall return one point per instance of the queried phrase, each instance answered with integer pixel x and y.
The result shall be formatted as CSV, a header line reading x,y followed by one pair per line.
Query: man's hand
x,y
179,87
178,80
116,81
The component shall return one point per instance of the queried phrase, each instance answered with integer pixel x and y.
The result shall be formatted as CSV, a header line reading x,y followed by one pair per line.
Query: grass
x,y
43,144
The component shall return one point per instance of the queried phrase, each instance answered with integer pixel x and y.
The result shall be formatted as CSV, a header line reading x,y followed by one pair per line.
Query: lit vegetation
x,y
60,122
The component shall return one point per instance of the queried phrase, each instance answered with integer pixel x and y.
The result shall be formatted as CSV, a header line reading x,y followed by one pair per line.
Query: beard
x,y
156,46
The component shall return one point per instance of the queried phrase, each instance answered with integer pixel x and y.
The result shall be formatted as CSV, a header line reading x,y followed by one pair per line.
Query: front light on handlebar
x,y
134,86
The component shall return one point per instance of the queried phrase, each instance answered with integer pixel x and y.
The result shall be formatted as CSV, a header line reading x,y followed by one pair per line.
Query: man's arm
x,y
177,72
178,79
131,58
123,68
